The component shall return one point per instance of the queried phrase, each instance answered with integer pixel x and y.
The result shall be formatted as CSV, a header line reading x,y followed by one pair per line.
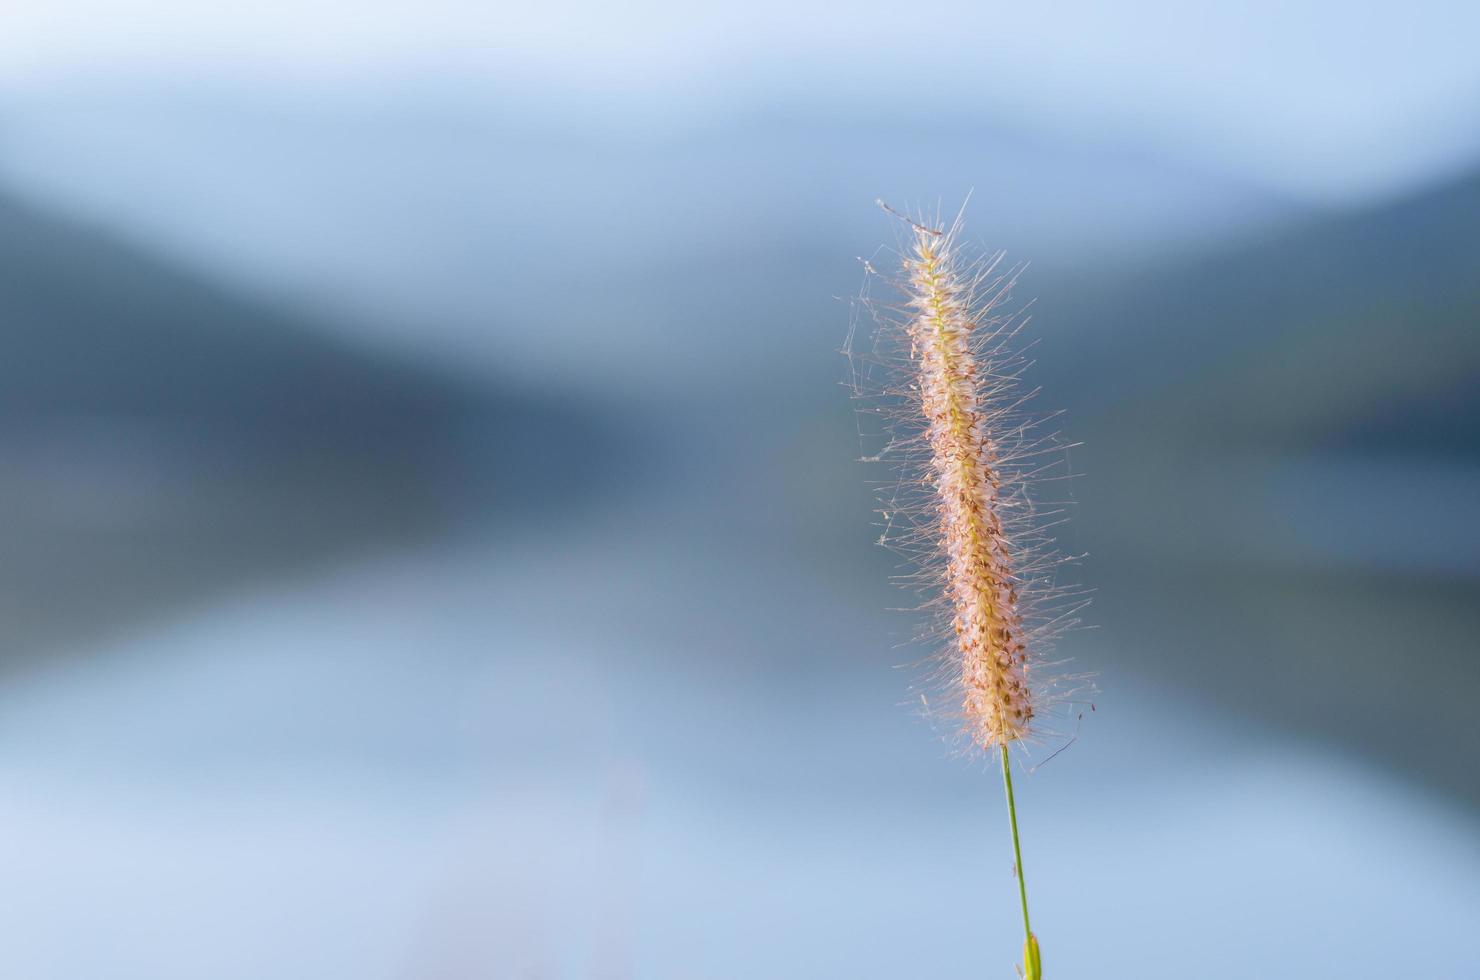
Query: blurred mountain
x,y
1349,339
456,225
1310,328
1282,459
94,327
162,438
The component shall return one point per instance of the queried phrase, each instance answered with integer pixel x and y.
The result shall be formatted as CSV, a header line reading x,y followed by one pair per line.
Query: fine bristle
x,y
943,374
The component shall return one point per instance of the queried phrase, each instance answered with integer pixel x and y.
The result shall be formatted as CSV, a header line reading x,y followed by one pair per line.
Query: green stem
x,y
1017,850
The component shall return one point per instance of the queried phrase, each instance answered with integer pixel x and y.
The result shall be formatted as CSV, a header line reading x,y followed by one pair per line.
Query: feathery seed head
x,y
965,460
963,463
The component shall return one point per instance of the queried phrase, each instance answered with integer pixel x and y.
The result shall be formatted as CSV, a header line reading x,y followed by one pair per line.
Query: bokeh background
x,y
433,545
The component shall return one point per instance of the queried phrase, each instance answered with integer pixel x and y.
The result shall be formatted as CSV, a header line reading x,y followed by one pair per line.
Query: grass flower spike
x,y
962,507
997,702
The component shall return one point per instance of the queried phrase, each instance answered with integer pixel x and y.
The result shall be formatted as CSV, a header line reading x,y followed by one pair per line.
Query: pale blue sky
x,y
1327,100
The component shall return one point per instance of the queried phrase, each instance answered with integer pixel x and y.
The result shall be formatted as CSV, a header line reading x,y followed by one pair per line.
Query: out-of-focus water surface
x,y
435,546
500,756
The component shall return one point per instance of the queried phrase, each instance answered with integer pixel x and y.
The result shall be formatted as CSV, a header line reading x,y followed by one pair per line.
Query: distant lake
x,y
572,757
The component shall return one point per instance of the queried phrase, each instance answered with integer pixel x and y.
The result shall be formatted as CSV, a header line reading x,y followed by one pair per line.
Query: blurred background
x,y
433,545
